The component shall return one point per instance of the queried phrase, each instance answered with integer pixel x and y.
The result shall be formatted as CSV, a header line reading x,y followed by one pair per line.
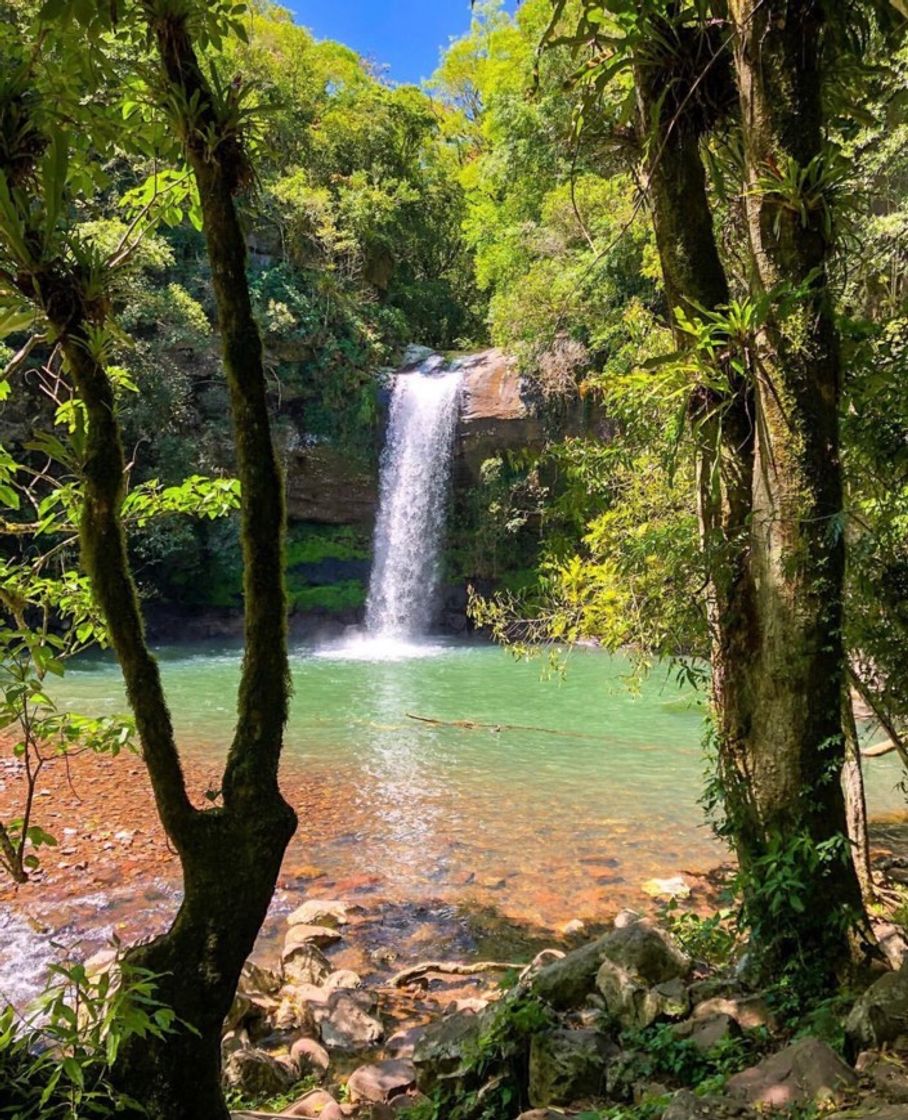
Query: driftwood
x,y
879,749
459,968
473,725
450,968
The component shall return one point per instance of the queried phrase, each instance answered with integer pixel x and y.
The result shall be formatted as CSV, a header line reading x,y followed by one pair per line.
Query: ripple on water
x,y
27,953
364,647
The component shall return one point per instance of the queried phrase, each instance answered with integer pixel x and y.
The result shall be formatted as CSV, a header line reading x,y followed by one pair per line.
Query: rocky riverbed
x,y
628,1021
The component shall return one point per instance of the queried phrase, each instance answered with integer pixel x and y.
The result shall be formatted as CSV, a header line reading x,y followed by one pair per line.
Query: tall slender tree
x,y
199,959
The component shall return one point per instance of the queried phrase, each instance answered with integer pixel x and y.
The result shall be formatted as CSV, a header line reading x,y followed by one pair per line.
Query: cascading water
x,y
415,475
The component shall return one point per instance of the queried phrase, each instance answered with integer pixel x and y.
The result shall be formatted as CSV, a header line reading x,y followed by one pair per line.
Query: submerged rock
x,y
319,912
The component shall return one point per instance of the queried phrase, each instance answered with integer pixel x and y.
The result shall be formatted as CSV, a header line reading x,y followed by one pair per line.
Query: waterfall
x,y
415,475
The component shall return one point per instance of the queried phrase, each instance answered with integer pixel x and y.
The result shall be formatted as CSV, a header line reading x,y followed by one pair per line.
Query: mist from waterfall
x,y
415,480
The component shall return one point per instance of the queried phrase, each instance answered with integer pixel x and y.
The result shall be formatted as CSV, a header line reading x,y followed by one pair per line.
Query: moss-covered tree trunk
x,y
231,856
769,478
783,781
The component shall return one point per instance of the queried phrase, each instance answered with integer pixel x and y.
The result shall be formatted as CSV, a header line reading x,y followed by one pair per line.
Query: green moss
x,y
310,544
347,595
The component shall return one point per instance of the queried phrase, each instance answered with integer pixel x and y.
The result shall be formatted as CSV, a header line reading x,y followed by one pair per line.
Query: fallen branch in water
x,y
451,968
473,725
459,968
879,749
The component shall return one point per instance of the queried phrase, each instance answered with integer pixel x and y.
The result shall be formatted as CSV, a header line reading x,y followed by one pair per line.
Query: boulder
x,y
807,1072
646,952
343,978
633,1004
319,912
880,1016
311,1057
315,1105
440,1054
319,936
305,964
706,1032
403,1043
255,980
568,1065
257,1074
567,982
747,1011
381,1081
347,1024
294,1013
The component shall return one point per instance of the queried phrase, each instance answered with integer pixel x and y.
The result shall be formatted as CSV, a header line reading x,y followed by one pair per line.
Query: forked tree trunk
x,y
231,856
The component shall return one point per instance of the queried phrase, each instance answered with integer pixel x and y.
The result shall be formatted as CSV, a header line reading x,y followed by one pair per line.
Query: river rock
x,y
310,1057
305,964
633,1004
706,1032
257,1074
565,983
403,1043
880,1016
319,912
348,1025
805,1073
256,980
568,1065
294,1013
381,1081
315,1105
440,1054
319,936
646,952
343,978
748,1012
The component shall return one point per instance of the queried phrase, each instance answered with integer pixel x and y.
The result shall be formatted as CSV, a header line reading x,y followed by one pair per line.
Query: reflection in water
x,y
573,794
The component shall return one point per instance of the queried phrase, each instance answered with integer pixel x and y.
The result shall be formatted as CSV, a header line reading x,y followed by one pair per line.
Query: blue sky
x,y
405,34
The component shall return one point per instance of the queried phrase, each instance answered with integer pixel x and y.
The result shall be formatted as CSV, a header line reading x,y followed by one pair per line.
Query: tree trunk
x,y
783,779
769,482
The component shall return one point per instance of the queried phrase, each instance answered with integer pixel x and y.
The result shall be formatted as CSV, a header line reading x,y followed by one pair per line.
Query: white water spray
x,y
415,476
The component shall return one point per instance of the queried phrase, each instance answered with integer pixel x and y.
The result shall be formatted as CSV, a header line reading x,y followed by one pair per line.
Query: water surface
x,y
564,795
